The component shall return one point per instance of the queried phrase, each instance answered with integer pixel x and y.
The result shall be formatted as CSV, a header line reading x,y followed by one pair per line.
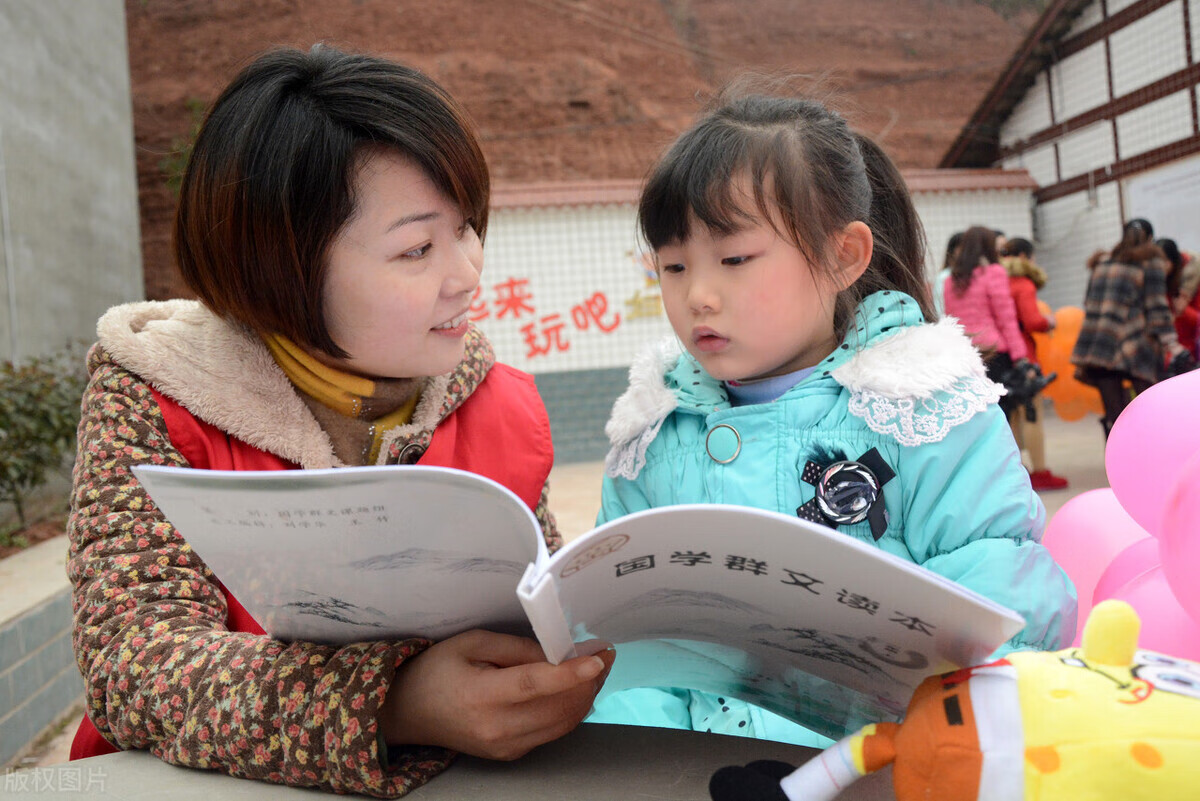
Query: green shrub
x,y
39,411
175,162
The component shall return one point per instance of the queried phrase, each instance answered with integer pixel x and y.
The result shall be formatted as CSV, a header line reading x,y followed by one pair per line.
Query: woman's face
x,y
401,274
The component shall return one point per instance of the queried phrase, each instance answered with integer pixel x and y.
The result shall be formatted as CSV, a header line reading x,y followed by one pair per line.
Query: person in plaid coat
x,y
1128,331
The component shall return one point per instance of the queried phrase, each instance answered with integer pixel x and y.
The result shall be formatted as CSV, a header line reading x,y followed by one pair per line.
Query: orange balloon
x,y
1072,399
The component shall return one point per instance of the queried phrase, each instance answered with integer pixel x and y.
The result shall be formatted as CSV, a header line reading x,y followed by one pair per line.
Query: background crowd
x,y
1139,327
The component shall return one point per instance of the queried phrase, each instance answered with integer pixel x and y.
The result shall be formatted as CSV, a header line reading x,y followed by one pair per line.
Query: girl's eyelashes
x,y
671,268
734,261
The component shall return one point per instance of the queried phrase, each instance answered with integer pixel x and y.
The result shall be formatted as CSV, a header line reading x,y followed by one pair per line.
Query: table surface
x,y
596,761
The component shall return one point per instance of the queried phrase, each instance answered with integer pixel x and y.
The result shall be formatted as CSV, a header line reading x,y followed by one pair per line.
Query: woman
x,y
330,222
977,294
1128,333
1025,279
1183,278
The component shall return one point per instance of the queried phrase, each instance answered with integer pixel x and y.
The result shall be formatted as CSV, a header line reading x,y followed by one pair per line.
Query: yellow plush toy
x,y
1105,721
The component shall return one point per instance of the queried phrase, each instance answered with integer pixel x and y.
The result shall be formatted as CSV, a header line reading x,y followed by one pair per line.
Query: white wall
x,y
68,186
1069,230
590,297
1087,149
946,213
1031,114
1148,49
1080,82
1039,161
1169,197
1155,124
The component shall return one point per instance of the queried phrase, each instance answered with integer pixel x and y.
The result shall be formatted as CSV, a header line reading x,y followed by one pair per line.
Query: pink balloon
x,y
1166,628
1180,537
1085,535
1139,559
1148,445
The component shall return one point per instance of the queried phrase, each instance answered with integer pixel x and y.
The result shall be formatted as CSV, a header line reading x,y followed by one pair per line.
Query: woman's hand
x,y
489,695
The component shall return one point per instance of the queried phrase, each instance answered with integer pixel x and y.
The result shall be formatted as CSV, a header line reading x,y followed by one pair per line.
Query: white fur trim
x,y
893,383
916,362
640,411
223,375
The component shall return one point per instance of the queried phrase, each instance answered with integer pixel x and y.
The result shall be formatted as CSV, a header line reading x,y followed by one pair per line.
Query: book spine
x,y
538,594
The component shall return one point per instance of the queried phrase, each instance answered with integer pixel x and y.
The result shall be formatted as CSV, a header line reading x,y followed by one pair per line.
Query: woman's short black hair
x,y
270,181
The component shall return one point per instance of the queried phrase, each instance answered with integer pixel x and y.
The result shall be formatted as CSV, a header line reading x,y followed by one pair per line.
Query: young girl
x,y
791,264
330,221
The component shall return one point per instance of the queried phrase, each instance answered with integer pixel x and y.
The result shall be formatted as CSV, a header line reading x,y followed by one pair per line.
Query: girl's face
x,y
401,274
747,305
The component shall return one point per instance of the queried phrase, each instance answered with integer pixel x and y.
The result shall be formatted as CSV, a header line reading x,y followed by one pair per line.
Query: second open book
x,y
797,618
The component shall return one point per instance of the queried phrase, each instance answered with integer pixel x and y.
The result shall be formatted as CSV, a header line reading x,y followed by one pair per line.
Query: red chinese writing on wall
x,y
544,334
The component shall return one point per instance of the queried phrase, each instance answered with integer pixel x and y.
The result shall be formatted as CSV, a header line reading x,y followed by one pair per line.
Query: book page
x,y
795,617
357,553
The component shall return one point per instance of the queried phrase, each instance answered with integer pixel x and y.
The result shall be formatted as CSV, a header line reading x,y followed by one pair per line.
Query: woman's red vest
x,y
501,431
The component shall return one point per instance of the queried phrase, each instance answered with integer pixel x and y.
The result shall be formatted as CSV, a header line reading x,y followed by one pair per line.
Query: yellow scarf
x,y
346,393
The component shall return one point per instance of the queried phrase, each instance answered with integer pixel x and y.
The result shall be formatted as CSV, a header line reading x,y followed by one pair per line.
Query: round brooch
x,y
846,491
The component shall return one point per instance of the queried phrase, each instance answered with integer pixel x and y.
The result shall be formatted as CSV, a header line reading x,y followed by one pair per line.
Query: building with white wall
x,y
1099,105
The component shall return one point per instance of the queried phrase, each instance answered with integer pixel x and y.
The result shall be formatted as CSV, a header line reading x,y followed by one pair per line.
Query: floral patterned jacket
x,y
162,671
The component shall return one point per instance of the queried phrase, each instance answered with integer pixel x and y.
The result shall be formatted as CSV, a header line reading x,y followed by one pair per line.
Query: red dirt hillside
x,y
579,89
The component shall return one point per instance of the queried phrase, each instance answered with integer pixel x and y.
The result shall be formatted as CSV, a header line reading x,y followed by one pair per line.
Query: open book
x,y
797,618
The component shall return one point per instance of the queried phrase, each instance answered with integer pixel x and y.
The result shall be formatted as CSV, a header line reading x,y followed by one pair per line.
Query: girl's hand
x,y
489,695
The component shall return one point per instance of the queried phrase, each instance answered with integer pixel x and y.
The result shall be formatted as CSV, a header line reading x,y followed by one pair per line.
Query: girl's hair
x,y
1175,271
1136,234
978,248
270,181
805,164
952,246
1019,247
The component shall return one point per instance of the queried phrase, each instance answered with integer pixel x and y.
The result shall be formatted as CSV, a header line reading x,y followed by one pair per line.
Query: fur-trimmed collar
x,y
225,376
914,362
1022,267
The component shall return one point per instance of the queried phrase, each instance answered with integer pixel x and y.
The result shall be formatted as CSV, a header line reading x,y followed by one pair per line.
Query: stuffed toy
x,y
1102,721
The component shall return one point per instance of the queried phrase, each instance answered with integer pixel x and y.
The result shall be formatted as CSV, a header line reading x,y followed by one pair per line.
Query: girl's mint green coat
x,y
960,502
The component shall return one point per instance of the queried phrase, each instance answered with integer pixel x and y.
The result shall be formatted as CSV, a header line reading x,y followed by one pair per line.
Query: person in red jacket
x,y
330,223
1025,278
1186,305
1183,279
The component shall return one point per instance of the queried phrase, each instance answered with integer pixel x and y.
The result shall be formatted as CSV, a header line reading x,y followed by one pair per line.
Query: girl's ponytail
x,y
898,261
